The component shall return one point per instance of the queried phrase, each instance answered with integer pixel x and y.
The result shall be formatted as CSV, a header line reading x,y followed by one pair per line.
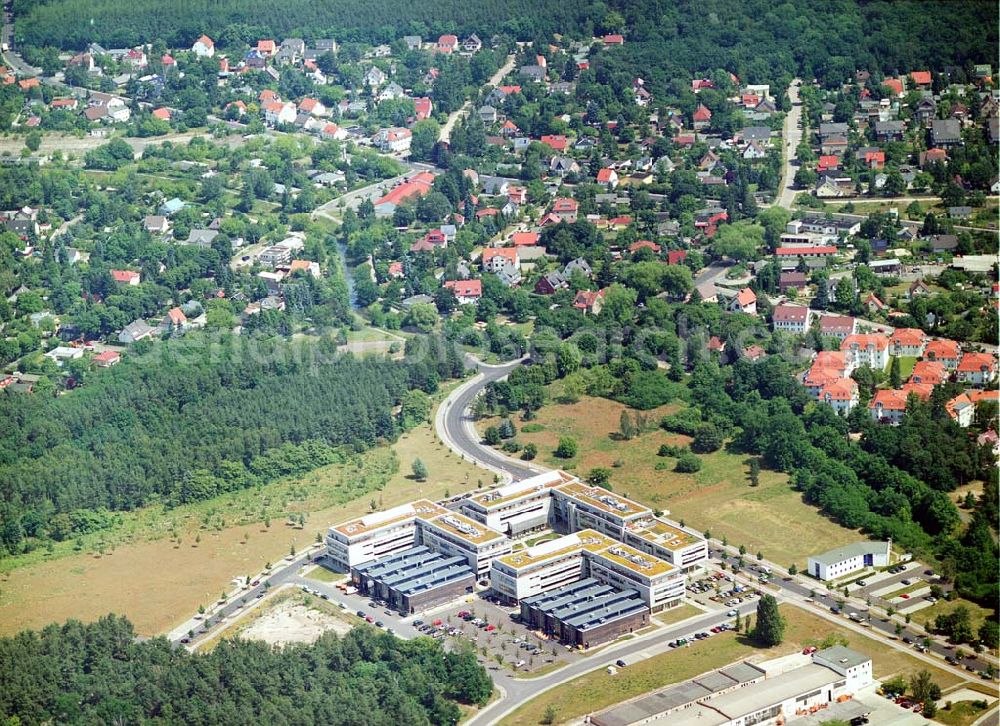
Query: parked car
x,y
621,663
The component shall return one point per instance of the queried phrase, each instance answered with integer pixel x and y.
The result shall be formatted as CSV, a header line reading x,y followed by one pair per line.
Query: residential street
x,y
445,134
791,137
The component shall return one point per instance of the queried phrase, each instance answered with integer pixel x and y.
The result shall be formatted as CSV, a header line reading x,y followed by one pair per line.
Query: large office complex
x,y
579,506
668,542
743,694
409,556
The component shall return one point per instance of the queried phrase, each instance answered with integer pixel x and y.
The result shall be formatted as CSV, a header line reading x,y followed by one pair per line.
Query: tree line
x,y
100,673
193,419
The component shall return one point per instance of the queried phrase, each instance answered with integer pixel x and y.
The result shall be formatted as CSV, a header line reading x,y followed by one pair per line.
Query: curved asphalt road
x,y
454,425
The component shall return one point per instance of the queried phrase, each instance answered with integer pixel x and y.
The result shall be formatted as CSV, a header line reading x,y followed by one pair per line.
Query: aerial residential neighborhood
x,y
612,364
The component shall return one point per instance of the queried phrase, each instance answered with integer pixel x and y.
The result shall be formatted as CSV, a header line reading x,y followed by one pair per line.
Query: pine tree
x,y
419,470
895,378
770,628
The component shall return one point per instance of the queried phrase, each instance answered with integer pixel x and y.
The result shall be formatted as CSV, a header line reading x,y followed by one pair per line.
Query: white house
x,y
791,318
869,350
394,140
204,47
277,113
841,561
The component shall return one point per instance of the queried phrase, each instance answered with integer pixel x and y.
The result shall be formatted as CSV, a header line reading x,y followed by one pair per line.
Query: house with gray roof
x,y
841,561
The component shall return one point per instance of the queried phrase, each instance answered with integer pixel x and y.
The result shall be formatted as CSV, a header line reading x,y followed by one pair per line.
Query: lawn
x,y
677,614
322,574
770,517
977,613
961,713
597,690
906,363
158,579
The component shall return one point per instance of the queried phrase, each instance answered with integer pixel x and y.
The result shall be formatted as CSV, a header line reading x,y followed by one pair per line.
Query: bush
x,y
511,447
688,464
685,422
707,438
567,447
668,450
530,452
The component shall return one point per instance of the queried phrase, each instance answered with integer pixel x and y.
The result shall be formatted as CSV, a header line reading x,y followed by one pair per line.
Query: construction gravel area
x,y
293,622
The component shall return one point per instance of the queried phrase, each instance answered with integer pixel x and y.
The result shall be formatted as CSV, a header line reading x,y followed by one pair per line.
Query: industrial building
x,y
841,561
586,613
742,694
415,579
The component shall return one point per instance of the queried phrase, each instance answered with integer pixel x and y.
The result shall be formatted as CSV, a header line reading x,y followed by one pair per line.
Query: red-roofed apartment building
x,y
944,350
790,318
466,291
888,405
841,395
869,350
929,372
977,369
837,326
909,342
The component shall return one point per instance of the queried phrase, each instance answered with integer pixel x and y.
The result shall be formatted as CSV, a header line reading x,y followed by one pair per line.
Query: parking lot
x,y
719,590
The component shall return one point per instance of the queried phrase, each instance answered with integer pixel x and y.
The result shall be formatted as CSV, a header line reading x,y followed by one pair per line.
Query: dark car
x,y
620,663
360,613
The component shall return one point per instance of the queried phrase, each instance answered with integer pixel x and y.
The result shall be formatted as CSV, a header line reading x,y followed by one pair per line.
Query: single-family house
x,y
494,258
126,277
136,331
466,291
204,47
744,302
589,302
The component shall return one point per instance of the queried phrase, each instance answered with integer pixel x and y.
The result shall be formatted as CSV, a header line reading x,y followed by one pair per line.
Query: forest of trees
x,y
192,420
758,40
99,673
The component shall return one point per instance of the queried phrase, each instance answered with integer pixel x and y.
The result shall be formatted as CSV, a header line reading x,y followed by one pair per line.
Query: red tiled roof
x,y
929,371
878,342
524,239
942,349
745,297
921,78
465,288
975,362
644,244
508,253
815,250
843,389
797,313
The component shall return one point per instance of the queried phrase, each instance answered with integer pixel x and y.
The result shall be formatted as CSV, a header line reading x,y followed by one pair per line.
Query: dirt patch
x,y
292,622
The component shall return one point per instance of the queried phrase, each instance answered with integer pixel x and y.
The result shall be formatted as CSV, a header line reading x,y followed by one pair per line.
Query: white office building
x,y
842,561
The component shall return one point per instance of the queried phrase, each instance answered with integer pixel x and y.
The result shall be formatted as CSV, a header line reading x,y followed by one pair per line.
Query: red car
x,y
490,628
809,650
905,596
369,619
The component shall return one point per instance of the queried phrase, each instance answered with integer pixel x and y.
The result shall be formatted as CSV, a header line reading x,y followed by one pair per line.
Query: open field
x,y
156,580
977,613
597,690
771,517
